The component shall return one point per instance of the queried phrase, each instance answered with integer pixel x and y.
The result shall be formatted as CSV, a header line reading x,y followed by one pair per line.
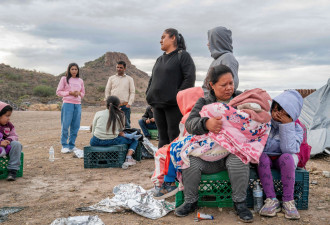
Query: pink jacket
x,y
75,84
8,130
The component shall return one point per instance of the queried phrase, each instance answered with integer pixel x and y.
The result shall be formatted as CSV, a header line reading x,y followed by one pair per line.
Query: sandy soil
x,y
55,189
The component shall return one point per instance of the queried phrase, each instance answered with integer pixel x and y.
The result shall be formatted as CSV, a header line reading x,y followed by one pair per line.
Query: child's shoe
x,y
290,210
271,207
12,175
167,190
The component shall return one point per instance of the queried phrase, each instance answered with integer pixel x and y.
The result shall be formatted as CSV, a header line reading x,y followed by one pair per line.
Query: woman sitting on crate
x,y
222,91
107,129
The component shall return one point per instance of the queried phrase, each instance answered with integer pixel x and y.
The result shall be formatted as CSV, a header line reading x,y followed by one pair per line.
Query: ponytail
x,y
180,43
115,114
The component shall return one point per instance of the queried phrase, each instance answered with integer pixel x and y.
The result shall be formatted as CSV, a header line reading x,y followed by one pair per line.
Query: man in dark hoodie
x,y
220,46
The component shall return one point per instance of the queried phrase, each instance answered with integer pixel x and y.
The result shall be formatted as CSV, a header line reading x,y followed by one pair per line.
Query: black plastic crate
x,y
104,156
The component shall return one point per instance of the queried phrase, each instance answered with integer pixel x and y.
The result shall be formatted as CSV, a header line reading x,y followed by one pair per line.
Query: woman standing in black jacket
x,y
173,71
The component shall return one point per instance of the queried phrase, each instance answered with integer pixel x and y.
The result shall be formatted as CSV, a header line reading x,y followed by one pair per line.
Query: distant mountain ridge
x,y
22,86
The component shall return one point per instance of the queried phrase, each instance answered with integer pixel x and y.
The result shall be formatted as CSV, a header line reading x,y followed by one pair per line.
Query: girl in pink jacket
x,y
72,89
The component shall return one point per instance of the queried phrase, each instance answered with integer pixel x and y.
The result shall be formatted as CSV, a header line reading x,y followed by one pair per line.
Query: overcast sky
x,y
279,44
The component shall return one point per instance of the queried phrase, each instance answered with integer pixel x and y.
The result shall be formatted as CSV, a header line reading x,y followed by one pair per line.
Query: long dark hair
x,y
5,109
68,74
215,73
180,43
115,114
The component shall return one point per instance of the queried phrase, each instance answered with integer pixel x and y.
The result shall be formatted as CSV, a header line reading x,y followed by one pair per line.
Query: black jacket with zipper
x,y
170,74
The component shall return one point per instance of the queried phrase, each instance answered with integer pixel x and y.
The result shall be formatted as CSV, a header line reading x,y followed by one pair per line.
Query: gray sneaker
x,y
270,208
290,210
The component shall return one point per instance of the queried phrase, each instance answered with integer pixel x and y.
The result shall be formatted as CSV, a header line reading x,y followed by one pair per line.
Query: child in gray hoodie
x,y
280,152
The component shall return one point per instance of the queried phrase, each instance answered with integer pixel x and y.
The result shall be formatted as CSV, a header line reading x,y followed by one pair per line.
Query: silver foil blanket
x,y
135,198
78,220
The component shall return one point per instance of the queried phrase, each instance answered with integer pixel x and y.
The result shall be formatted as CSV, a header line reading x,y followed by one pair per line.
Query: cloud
x,y
279,40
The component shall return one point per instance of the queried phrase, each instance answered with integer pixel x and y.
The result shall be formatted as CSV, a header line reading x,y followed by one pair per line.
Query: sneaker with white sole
x,y
271,207
130,162
75,149
290,210
167,190
65,150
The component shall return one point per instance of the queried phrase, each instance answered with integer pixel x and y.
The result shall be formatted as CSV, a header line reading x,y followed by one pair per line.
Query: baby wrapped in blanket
x,y
245,129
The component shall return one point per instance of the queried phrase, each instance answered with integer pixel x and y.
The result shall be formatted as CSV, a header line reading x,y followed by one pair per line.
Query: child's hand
x,y
214,124
282,117
4,143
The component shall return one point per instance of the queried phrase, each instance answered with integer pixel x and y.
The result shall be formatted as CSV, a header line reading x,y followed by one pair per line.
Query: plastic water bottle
x,y
51,154
257,197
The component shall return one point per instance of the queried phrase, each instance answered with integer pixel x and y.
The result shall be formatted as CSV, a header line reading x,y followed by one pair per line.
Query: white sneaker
x,y
65,150
130,162
75,149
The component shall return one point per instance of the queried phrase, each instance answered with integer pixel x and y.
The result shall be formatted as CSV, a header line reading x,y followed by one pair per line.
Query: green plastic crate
x,y
4,164
104,156
138,152
215,189
154,134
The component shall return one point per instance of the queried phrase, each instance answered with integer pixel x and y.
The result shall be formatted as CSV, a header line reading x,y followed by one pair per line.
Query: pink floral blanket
x,y
240,135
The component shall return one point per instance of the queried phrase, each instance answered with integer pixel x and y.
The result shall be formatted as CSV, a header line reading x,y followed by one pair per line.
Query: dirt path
x,y
55,189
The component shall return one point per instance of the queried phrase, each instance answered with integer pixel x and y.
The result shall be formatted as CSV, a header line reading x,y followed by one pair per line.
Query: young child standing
x,y
280,151
9,137
107,129
72,89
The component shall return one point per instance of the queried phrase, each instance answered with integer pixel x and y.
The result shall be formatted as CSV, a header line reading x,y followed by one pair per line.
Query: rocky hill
x,y
23,87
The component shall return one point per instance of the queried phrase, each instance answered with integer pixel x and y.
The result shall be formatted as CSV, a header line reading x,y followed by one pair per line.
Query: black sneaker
x,y
243,212
185,209
167,190
12,175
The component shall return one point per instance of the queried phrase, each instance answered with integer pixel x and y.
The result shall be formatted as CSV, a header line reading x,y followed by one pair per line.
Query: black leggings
x,y
167,121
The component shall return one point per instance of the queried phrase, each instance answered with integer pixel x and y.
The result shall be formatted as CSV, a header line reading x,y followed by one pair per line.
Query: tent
x,y
315,115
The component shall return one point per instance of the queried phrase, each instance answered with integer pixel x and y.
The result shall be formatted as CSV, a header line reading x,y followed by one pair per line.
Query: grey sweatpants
x,y
15,156
238,174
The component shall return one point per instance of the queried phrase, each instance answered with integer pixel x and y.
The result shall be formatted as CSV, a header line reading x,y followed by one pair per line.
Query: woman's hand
x,y
214,124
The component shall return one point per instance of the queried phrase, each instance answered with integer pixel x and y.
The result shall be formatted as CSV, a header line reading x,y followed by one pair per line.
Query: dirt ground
x,y
51,190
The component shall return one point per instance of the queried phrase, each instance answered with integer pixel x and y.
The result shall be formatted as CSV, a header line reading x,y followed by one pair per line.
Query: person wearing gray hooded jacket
x,y
221,48
283,143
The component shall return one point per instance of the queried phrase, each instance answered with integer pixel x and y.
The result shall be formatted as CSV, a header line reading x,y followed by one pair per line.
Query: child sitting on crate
x,y
107,129
9,144
280,152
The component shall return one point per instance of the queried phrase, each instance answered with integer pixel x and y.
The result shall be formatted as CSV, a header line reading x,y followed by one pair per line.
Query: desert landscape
x,y
51,190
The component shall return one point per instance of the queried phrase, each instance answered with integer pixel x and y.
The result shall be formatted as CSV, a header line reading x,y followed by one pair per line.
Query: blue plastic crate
x,y
4,164
301,187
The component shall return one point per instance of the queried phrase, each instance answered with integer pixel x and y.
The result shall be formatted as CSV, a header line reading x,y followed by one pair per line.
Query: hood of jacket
x,y
291,101
187,99
3,105
220,41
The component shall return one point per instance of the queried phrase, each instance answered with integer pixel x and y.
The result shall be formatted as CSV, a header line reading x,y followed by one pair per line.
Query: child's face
x,y
280,115
5,118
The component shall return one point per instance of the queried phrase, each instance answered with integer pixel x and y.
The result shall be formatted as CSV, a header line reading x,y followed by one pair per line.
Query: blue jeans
x,y
116,141
127,112
70,118
145,126
171,173
15,156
